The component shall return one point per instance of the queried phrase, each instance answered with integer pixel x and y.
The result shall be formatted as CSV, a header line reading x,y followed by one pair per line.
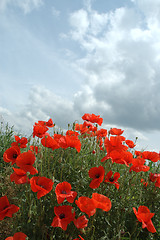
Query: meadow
x,y
85,183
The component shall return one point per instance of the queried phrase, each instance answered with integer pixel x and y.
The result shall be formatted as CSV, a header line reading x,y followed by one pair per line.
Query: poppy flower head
x,y
11,154
19,176
112,179
81,222
130,143
93,118
63,191
86,205
25,161
20,142
64,215
101,201
17,236
97,174
144,215
39,130
7,209
116,131
41,185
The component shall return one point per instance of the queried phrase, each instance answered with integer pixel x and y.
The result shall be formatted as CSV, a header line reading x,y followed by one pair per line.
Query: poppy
x,y
49,142
121,157
63,191
138,165
20,142
130,143
25,161
81,222
11,154
116,131
17,236
64,215
152,156
41,185
19,176
7,209
112,179
39,130
35,149
101,202
97,174
144,215
101,133
49,123
93,118
86,205
73,142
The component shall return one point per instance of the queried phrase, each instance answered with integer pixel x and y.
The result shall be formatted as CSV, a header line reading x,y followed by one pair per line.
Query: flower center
x,y
97,176
63,192
62,215
15,155
111,179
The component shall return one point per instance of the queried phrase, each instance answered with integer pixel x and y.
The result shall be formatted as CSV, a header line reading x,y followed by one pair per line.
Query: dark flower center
x,y
111,179
63,192
97,175
15,155
62,215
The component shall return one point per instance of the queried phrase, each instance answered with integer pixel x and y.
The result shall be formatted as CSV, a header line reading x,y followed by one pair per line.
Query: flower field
x,y
85,183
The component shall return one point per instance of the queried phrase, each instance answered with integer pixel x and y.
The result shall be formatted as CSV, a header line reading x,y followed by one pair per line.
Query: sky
x,y
61,59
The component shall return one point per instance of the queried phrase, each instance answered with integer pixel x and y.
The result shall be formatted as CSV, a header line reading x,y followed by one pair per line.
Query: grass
x,y
36,215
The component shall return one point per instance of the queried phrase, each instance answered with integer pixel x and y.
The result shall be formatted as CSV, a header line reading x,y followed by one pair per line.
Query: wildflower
x,y
63,191
35,149
49,123
19,176
41,185
79,238
39,130
97,174
116,131
112,180
101,202
144,215
93,118
86,205
25,161
11,154
152,156
64,215
20,142
138,165
130,143
81,222
7,209
17,236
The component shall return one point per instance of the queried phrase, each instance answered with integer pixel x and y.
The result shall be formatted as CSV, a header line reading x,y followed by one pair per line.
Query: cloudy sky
x,y
64,58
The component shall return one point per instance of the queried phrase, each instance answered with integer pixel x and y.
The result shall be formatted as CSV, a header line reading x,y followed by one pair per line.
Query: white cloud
x,y
55,12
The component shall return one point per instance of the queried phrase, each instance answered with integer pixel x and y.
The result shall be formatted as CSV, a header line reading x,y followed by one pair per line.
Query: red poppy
x,y
112,179
19,176
81,222
41,185
152,156
138,165
7,209
157,183
116,131
153,177
39,130
49,123
144,183
17,236
63,191
64,215
121,157
93,118
86,205
101,201
25,161
11,154
73,142
101,133
20,142
49,142
114,143
144,215
130,143
72,133
97,174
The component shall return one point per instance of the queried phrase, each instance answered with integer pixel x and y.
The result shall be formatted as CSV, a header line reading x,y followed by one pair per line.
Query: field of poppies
x,y
85,183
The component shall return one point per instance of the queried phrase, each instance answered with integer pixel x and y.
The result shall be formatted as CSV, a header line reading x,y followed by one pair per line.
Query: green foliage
x,y
35,216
